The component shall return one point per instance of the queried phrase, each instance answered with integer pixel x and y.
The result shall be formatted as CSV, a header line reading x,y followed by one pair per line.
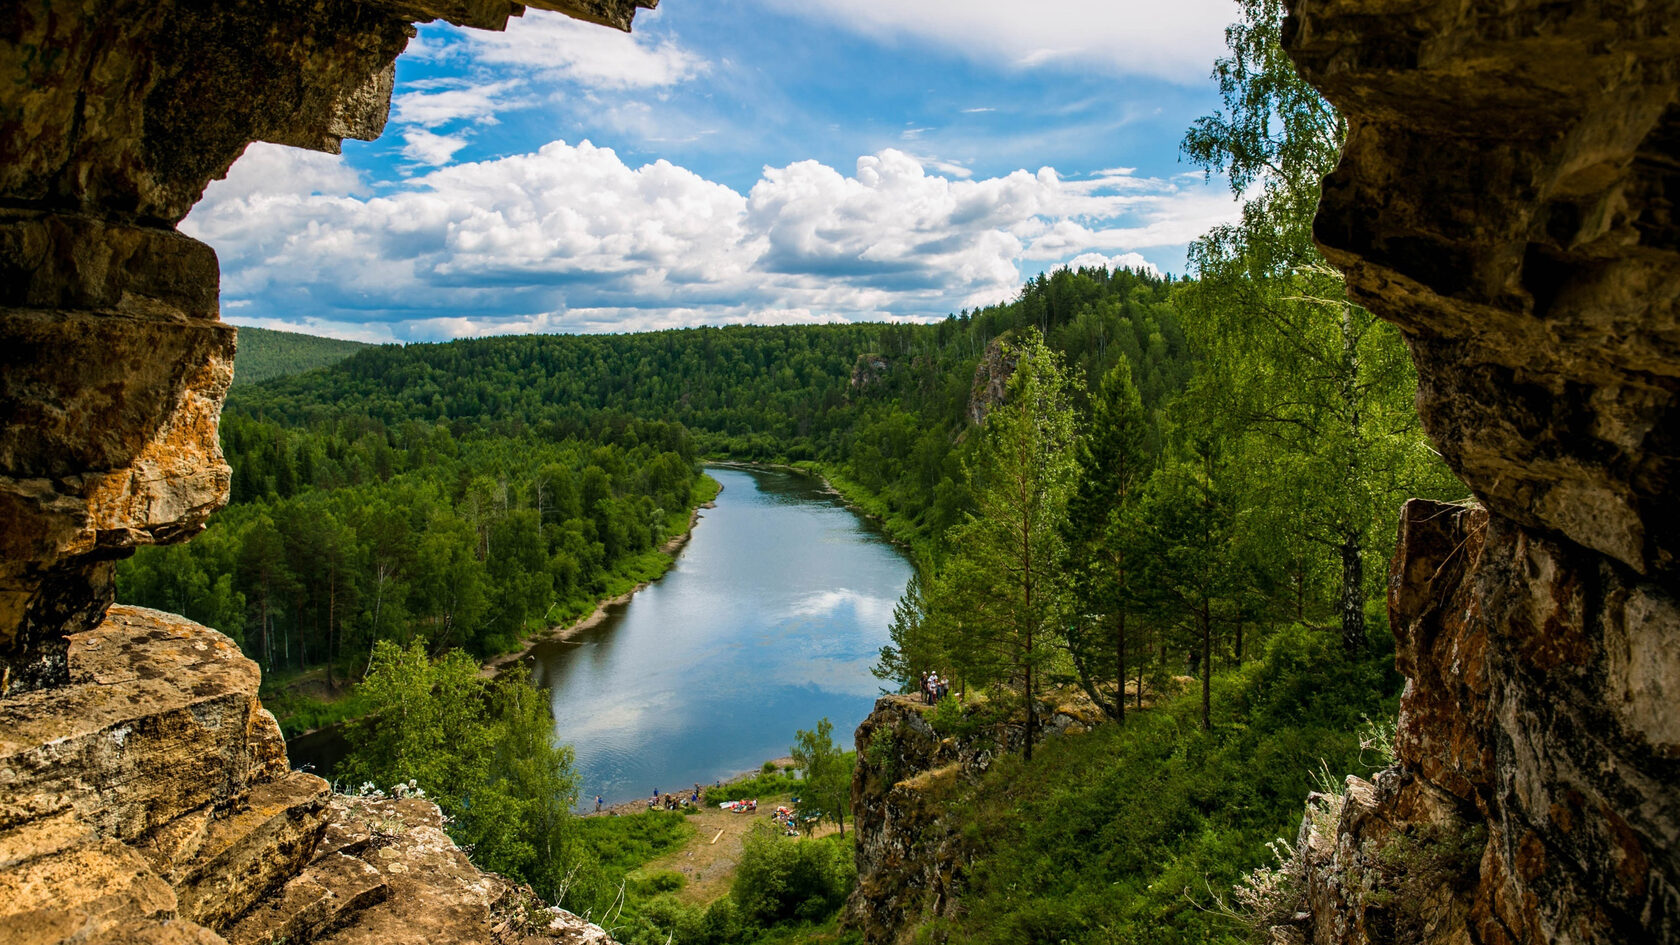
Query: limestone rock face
x,y
145,795
150,800
909,860
903,856
991,381
1506,196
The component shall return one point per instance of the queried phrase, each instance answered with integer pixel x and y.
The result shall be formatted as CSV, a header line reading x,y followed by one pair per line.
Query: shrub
x,y
780,879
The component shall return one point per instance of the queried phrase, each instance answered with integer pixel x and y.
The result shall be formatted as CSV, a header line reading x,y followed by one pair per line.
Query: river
x,y
768,621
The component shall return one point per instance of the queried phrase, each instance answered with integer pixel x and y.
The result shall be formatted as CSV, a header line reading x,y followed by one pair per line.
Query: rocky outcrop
x,y
867,371
991,379
1506,197
910,860
150,799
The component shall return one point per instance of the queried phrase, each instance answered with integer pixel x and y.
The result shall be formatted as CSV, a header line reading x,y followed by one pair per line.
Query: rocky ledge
x,y
149,800
909,861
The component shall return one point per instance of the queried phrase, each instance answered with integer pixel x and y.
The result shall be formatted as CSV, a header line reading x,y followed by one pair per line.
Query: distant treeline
x,y
884,406
265,353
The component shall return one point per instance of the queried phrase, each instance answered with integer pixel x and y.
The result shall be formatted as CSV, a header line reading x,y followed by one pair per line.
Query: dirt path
x,y
707,861
709,866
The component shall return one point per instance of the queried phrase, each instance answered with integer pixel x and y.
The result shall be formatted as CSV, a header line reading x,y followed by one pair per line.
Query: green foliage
x,y
482,749
265,353
1103,532
622,844
770,783
881,409
1004,589
1124,834
1316,391
781,878
827,794
350,532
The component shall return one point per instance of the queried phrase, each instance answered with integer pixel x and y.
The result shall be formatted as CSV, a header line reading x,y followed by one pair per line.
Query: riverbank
x,y
706,498
865,504
497,665
708,858
300,695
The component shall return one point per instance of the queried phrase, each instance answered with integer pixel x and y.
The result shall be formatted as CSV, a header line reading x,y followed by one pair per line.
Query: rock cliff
x,y
1506,196
910,860
990,387
144,792
149,799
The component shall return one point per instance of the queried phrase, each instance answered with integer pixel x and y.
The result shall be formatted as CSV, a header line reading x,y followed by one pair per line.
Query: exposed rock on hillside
x,y
150,800
113,364
991,380
909,860
868,371
1506,197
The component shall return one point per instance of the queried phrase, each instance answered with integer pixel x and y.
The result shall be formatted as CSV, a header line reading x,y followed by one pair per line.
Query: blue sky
x,y
734,161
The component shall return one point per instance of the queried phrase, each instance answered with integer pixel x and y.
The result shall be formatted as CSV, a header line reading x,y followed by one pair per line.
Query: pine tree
x,y
1102,535
1006,578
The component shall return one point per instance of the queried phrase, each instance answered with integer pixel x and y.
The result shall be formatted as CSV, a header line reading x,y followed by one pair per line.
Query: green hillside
x,y
265,353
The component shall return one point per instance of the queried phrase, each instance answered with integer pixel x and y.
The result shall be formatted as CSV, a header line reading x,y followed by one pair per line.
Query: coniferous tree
x,y
1102,530
1006,577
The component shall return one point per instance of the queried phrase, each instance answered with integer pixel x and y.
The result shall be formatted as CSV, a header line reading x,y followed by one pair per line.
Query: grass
x,y
623,844
762,785
300,701
1126,834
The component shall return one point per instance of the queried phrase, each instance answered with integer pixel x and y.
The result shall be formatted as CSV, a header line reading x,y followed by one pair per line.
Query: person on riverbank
x,y
597,803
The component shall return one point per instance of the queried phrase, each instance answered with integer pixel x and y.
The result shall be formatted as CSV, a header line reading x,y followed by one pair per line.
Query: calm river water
x,y
768,622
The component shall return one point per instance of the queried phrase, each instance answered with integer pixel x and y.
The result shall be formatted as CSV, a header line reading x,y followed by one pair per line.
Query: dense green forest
x,y
1147,490
265,353
346,532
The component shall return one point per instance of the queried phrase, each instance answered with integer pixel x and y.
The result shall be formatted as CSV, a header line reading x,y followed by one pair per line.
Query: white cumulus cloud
x,y
559,47
571,238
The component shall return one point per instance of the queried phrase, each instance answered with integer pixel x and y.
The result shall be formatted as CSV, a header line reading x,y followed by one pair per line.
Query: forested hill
x,y
265,353
881,405
468,492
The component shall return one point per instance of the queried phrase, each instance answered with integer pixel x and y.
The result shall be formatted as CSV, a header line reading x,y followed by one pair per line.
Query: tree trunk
x,y
1207,667
1032,717
1140,683
332,612
1353,567
1353,597
1120,665
262,622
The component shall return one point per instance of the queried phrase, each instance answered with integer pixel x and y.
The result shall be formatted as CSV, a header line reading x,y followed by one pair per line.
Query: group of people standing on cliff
x,y
934,688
